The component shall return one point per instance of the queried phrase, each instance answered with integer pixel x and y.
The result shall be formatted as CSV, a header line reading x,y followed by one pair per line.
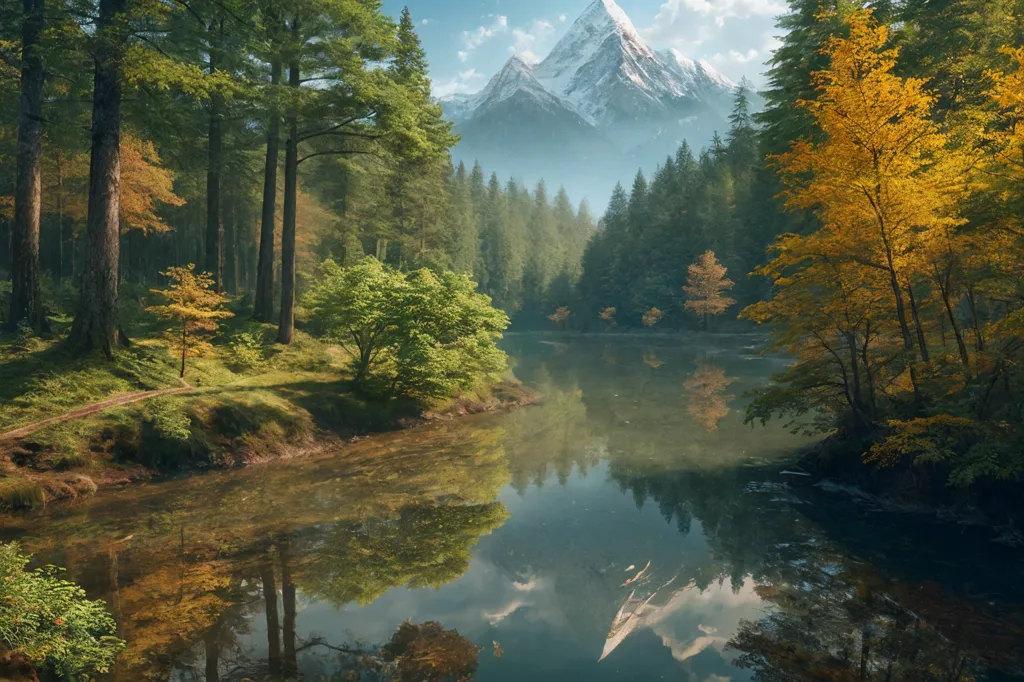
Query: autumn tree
x,y
560,316
652,317
194,307
883,178
705,288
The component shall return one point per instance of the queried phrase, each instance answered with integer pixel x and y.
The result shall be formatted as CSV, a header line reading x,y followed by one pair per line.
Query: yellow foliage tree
x,y
195,308
883,178
145,186
560,315
652,317
705,286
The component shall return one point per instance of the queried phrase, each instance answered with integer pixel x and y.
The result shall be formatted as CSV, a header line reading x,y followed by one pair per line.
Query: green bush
x,y
248,353
420,334
50,621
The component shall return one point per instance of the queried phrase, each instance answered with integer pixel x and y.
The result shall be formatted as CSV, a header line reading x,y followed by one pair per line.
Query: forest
x,y
870,214
198,103
241,222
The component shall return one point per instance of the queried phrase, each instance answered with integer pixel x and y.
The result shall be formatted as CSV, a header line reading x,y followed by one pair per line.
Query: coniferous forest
x,y
236,231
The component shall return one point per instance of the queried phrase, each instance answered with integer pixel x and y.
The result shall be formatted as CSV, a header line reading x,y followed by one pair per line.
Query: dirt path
x,y
79,412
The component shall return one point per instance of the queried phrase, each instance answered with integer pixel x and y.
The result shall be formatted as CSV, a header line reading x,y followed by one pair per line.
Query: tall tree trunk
x,y
230,244
61,237
286,326
96,324
26,299
263,306
979,340
214,228
961,346
270,610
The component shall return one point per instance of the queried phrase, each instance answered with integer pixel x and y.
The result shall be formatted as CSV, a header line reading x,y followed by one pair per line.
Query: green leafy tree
x,y
418,334
50,622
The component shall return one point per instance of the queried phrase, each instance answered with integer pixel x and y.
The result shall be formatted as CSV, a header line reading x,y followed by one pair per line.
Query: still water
x,y
630,527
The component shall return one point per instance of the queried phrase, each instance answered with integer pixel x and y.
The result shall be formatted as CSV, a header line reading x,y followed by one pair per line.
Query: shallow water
x,y
630,527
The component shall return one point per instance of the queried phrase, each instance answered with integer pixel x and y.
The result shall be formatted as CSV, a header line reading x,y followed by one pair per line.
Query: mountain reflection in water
x,y
630,527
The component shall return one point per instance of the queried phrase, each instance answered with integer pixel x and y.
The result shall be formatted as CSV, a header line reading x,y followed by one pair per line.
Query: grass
x,y
242,409
19,493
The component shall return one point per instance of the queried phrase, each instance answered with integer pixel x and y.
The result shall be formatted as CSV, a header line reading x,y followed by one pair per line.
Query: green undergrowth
x,y
252,401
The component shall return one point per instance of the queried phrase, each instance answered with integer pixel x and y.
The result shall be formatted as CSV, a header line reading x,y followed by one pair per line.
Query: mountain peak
x,y
607,12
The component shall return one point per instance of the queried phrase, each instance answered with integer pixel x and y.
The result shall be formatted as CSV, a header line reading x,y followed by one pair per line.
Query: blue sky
x,y
467,41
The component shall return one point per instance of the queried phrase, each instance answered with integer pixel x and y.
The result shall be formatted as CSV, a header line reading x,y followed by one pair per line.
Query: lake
x,y
629,527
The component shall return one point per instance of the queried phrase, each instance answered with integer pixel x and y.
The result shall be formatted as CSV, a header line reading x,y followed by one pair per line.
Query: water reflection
x,y
615,532
706,401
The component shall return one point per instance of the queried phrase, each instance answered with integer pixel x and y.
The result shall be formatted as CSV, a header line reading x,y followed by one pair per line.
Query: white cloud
x,y
721,10
465,82
529,41
425,22
481,34
562,18
737,35
734,57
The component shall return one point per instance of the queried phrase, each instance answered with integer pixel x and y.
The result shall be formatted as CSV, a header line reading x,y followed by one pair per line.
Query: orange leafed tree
x,y
194,307
884,179
145,187
652,317
706,285
560,315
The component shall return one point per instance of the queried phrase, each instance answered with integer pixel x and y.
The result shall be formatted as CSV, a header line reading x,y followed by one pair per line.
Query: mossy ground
x,y
292,399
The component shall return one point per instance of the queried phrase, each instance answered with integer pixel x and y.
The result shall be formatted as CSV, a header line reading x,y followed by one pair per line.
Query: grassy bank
x,y
251,401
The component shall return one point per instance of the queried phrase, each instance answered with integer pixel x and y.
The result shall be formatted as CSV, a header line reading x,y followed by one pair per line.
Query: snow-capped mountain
x,y
602,90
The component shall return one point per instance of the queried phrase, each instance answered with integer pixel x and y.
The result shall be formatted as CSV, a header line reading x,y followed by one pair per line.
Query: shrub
x,y
50,622
248,353
421,334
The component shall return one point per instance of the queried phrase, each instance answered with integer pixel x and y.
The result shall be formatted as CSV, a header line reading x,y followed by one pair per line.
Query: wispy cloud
x,y
465,82
527,42
720,10
471,40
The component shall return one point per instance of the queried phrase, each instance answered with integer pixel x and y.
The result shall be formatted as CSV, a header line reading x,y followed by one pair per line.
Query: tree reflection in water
x,y
257,574
706,401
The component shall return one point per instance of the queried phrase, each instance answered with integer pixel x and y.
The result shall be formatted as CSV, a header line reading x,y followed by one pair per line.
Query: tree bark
x,y
286,326
96,324
921,342
26,298
263,307
979,340
214,227
61,237
961,346
230,244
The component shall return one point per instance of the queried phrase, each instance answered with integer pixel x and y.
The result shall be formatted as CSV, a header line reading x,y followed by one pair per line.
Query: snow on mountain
x,y
517,77
604,85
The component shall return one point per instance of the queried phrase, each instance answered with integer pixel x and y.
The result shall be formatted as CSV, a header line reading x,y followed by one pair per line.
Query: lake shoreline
x,y
26,487
838,463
